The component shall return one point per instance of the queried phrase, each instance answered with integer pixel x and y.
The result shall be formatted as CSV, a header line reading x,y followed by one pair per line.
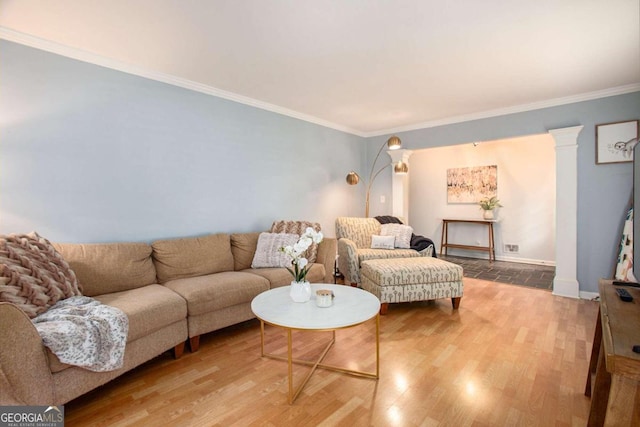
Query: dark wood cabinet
x,y
613,382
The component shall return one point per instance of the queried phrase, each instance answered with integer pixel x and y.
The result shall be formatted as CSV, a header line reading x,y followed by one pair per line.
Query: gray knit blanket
x,y
83,332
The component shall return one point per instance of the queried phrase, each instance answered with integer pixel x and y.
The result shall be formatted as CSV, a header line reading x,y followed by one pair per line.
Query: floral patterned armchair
x,y
354,246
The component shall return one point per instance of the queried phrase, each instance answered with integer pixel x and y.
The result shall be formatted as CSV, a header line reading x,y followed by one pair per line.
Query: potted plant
x,y
300,288
488,204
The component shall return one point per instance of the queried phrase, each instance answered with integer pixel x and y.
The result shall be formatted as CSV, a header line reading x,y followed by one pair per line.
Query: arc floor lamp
x,y
353,178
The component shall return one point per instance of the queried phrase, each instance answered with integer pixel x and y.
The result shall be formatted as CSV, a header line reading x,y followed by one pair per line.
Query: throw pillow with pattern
x,y
402,233
268,253
298,227
33,275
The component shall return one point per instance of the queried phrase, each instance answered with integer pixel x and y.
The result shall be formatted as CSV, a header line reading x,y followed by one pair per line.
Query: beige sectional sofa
x,y
171,291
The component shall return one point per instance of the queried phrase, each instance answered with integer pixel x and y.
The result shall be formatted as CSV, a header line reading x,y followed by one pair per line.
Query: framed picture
x,y
615,142
469,185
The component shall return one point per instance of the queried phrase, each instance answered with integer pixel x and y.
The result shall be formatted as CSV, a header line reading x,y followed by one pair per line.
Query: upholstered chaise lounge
x,y
354,246
391,271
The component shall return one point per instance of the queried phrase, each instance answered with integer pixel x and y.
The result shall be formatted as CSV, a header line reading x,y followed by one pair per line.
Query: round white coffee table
x,y
351,307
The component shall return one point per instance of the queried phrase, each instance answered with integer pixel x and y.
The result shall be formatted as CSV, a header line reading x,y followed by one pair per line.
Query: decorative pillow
x,y
402,233
268,252
298,227
33,275
382,242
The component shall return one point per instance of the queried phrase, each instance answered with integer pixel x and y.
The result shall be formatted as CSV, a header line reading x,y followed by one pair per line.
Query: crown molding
x,y
589,96
92,58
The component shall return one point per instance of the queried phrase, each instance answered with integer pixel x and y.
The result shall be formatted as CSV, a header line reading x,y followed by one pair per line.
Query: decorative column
x,y
565,282
400,185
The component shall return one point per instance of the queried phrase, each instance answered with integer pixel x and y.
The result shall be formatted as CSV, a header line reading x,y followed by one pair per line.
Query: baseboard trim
x,y
526,261
589,295
479,255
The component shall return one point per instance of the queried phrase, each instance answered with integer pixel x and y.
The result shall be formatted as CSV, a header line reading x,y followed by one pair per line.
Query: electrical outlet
x,y
383,199
511,248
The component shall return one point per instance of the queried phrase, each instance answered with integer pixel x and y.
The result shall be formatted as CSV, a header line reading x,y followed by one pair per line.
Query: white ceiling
x,y
365,66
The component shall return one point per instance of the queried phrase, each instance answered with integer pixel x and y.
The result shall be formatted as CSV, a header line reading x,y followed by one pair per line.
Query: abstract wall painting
x,y
469,185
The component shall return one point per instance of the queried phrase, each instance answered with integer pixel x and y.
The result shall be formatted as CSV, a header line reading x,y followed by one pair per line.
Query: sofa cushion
x,y
206,294
367,254
149,308
281,277
268,253
193,256
33,275
402,234
411,271
104,268
243,248
298,227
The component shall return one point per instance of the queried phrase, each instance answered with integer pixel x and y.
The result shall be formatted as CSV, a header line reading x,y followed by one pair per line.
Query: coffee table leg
x,y
314,365
261,338
317,364
378,345
290,362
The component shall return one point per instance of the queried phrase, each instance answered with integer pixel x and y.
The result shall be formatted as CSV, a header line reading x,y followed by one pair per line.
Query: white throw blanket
x,y
81,331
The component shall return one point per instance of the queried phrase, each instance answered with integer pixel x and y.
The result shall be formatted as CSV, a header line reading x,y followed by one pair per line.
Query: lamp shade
x,y
352,178
401,168
394,143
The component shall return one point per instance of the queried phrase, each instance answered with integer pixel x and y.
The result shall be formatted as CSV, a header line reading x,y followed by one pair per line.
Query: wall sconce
x,y
353,178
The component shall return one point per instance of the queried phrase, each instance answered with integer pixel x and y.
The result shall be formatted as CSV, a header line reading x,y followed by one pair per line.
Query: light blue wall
x,y
603,190
88,154
91,154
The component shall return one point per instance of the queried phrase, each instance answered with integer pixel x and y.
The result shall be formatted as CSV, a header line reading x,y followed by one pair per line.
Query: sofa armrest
x,y
348,261
327,250
25,377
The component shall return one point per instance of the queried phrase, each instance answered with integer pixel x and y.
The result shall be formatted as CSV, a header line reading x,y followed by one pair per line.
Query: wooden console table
x,y
613,382
444,240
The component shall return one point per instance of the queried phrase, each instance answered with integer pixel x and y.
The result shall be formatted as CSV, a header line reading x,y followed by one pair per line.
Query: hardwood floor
x,y
509,356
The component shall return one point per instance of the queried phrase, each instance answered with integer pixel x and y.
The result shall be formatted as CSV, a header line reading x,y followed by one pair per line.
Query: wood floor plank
x,y
508,356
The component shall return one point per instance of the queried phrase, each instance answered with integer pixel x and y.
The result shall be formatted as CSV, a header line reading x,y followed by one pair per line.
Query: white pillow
x,y
382,242
401,232
268,252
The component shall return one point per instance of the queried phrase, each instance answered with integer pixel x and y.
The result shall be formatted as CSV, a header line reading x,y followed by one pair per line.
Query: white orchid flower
x,y
302,263
296,251
302,245
287,250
